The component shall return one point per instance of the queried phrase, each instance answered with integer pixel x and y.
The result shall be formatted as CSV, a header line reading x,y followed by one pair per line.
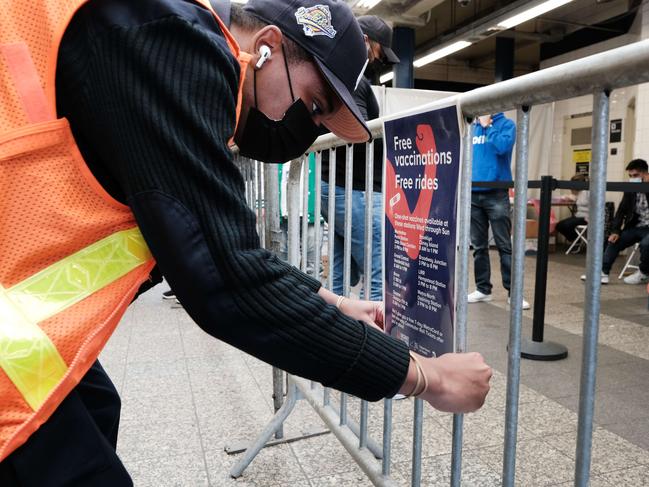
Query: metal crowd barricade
x,y
596,75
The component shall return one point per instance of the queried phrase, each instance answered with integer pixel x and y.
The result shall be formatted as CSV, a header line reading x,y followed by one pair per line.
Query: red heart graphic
x,y
397,204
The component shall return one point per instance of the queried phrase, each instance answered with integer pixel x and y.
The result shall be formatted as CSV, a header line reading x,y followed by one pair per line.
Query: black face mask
x,y
375,69
267,140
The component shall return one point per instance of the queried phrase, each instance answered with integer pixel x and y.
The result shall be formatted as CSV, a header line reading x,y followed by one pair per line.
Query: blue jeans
x,y
358,239
491,208
628,238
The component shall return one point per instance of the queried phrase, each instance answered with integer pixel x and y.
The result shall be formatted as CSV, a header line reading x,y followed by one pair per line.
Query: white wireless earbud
x,y
264,52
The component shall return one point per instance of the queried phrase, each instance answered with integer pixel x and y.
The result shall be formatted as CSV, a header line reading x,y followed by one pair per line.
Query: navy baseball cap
x,y
376,29
328,31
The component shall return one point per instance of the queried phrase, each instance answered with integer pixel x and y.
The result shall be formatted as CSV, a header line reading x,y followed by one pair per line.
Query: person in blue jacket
x,y
493,142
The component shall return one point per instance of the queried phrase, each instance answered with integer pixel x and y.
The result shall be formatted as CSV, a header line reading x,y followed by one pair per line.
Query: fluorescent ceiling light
x,y
531,13
239,1
368,4
386,77
440,53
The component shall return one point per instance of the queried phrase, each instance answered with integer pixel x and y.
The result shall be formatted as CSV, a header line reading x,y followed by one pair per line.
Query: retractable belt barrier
x,y
596,75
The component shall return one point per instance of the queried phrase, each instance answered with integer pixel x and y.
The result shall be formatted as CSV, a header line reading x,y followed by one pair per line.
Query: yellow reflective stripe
x,y
27,355
83,273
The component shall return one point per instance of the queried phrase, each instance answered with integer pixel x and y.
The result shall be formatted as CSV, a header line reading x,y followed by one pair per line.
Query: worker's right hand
x,y
457,382
613,237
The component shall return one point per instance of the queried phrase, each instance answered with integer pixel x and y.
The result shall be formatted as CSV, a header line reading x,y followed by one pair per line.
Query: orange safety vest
x,y
72,257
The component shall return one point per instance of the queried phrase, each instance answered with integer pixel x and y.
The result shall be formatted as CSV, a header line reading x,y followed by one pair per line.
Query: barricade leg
x,y
278,420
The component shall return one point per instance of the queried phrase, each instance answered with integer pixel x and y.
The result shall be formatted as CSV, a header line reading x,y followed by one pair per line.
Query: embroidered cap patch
x,y
316,21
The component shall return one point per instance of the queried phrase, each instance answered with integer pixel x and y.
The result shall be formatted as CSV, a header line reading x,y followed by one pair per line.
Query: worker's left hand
x,y
370,312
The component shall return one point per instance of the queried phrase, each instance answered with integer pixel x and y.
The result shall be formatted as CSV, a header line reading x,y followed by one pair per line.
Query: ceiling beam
x,y
532,36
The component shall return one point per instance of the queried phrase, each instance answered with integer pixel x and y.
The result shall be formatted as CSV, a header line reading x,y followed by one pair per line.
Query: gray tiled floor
x,y
186,396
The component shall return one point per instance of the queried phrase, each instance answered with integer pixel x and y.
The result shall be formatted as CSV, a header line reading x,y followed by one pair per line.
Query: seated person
x,y
567,226
630,226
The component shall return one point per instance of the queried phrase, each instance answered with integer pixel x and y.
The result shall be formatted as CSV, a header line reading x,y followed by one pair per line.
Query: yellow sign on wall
x,y
581,155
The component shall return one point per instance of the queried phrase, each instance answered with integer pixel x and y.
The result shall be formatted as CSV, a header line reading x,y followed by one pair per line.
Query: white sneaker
x,y
637,277
603,281
398,397
526,305
478,297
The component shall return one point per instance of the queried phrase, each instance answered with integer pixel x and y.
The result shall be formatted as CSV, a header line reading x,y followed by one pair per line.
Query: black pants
x,y
491,208
567,227
76,446
628,237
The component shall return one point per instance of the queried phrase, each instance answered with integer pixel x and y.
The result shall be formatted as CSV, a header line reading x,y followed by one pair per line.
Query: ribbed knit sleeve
x,y
152,107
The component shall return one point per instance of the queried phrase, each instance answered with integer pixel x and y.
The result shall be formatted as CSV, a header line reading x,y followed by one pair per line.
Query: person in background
x,y
630,226
567,226
378,39
494,137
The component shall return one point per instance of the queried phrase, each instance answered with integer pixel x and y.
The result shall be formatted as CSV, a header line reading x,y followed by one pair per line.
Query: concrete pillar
x,y
504,59
403,44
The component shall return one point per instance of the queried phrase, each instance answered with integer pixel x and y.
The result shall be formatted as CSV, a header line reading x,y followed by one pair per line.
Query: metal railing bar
x,y
331,218
317,231
331,222
347,260
417,435
272,236
260,204
387,436
347,253
305,214
617,68
594,260
369,217
293,211
462,279
367,268
387,403
362,437
516,311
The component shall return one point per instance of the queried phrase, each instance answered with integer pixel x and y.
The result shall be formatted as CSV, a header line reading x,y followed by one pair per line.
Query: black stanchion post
x,y
537,349
543,248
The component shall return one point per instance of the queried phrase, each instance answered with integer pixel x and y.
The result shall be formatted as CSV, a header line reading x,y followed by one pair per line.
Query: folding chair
x,y
628,264
581,231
